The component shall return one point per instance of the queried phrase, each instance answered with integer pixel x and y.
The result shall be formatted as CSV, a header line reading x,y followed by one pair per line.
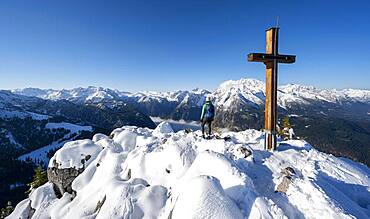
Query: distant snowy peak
x,y
252,91
176,96
193,98
243,84
359,95
84,94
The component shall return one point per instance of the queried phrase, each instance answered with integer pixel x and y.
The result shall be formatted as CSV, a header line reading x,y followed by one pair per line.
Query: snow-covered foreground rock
x,y
143,173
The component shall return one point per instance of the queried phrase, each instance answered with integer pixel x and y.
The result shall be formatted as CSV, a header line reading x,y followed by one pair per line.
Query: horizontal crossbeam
x,y
263,57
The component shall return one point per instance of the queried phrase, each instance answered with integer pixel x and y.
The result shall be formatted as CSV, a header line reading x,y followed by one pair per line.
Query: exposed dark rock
x,y
87,157
30,214
288,171
127,174
245,151
287,177
164,140
100,204
62,179
30,210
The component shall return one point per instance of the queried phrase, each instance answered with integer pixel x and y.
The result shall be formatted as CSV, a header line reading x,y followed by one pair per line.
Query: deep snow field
x,y
143,173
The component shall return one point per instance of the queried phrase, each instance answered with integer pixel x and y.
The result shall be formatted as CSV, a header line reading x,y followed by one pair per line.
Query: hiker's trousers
x,y
207,122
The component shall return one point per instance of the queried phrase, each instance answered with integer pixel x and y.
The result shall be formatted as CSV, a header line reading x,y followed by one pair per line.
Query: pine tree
x,y
284,131
7,210
286,123
39,179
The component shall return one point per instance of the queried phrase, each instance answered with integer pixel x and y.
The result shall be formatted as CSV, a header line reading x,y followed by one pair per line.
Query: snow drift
x,y
144,173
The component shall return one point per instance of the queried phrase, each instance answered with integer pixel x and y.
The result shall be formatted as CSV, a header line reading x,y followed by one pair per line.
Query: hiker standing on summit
x,y
207,116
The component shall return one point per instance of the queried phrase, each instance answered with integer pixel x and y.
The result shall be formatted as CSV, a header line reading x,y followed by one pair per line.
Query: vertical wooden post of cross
x,y
271,89
271,59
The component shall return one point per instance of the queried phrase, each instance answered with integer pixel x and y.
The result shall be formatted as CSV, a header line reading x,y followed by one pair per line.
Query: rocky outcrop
x,y
71,160
62,179
287,177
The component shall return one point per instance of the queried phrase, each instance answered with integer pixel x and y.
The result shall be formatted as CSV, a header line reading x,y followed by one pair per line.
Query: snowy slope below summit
x,y
144,173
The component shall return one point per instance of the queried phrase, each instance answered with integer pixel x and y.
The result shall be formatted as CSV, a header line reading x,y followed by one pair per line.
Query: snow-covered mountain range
x,y
98,94
250,90
231,96
253,91
144,173
315,113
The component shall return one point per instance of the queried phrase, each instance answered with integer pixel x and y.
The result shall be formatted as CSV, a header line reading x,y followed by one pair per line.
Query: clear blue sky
x,y
168,45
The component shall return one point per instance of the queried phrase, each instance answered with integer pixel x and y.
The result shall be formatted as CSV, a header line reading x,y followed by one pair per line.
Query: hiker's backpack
x,y
209,112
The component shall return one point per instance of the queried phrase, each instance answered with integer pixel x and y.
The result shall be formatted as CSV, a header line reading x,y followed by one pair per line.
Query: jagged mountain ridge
x,y
177,105
245,97
242,93
250,89
253,91
97,94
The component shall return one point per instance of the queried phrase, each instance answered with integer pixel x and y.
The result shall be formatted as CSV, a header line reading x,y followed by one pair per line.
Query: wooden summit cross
x,y
271,59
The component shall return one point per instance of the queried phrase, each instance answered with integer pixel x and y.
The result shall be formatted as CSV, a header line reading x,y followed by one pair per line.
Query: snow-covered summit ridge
x,y
144,173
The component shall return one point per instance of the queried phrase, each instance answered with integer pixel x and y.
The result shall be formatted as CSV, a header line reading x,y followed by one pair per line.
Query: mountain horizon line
x,y
191,89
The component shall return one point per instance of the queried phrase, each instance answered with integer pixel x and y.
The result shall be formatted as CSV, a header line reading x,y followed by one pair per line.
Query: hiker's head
x,y
208,99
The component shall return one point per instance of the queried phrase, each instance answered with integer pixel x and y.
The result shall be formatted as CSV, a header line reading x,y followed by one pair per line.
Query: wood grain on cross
x,y
271,59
